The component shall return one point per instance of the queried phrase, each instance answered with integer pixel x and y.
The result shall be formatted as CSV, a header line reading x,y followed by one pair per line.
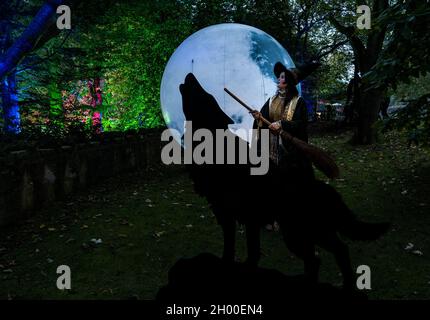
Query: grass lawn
x,y
147,221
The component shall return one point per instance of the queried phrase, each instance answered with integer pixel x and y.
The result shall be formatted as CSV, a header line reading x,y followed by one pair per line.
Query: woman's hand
x,y
256,115
275,126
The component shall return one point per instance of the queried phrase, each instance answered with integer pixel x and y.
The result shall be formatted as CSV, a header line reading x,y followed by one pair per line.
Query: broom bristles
x,y
318,157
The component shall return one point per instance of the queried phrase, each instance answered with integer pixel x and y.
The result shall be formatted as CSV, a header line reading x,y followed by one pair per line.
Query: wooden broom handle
x,y
321,159
286,135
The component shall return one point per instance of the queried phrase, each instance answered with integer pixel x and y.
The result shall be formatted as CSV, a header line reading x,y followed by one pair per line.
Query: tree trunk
x,y
367,115
25,43
365,58
10,105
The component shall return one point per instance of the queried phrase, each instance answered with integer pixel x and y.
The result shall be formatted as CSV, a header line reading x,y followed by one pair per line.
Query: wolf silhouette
x,y
308,215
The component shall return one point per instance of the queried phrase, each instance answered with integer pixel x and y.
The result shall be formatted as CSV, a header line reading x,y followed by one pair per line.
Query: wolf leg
x,y
344,263
229,231
305,250
341,254
312,264
253,243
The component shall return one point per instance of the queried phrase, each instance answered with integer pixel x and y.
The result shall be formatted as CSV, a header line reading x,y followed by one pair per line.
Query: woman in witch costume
x,y
286,110
289,168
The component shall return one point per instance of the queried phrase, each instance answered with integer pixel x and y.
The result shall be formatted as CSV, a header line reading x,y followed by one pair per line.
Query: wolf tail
x,y
358,230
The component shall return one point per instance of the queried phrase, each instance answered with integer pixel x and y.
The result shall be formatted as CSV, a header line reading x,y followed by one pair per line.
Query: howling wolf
x,y
308,216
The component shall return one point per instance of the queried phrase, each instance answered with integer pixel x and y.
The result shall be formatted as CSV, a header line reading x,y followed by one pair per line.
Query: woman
x,y
286,111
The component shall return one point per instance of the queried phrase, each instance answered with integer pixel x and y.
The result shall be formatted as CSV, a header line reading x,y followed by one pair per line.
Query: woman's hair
x,y
291,86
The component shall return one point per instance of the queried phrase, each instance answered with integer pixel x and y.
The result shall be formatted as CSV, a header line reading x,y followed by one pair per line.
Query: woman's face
x,y
282,83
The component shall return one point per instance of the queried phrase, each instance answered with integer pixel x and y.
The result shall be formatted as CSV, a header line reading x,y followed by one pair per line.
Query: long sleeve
x,y
297,126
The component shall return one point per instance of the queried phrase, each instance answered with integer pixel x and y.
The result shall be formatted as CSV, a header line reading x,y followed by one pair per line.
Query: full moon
x,y
235,56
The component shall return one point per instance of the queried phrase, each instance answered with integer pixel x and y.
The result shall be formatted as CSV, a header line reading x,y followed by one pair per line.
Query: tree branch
x,y
376,38
49,55
25,43
331,48
356,44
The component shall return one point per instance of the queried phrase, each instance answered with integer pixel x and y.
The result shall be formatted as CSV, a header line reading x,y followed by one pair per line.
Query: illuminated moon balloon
x,y
231,55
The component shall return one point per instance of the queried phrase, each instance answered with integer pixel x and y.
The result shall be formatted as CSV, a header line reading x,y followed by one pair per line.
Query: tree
x,y
396,37
301,28
29,38
13,52
10,108
135,46
47,59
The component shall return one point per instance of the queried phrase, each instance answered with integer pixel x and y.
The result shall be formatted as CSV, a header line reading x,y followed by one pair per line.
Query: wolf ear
x,y
199,105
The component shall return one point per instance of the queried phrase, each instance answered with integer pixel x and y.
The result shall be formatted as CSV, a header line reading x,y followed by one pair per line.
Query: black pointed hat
x,y
299,73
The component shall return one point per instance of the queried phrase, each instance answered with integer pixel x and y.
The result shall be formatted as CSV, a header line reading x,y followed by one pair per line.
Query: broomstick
x,y
317,156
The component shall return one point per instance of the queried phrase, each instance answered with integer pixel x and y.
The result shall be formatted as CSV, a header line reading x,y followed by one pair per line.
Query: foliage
x,y
414,89
405,66
127,46
414,119
406,53
333,76
133,44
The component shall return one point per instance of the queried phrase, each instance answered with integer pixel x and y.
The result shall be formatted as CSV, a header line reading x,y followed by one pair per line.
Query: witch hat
x,y
299,73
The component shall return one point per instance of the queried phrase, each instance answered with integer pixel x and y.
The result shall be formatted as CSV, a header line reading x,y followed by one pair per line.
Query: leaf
x,y
418,252
409,246
158,234
96,241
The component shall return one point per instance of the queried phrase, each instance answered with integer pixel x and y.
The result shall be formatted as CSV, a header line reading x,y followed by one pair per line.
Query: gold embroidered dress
x,y
291,113
279,111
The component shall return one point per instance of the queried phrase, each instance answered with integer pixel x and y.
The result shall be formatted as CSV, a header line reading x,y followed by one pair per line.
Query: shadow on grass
x,y
205,278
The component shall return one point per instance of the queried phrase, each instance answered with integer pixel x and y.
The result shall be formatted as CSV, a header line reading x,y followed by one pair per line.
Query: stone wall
x,y
31,179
